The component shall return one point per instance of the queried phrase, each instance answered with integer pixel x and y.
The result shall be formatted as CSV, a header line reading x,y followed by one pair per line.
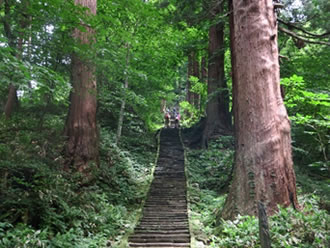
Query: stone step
x,y
169,190
168,186
178,188
164,239
169,181
158,235
164,201
174,193
165,204
165,198
164,178
165,209
162,228
171,167
153,232
168,220
181,213
162,245
174,174
164,223
164,212
163,218
168,208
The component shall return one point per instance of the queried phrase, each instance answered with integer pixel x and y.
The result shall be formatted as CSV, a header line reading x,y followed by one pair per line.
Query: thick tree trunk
x,y
218,116
81,127
263,165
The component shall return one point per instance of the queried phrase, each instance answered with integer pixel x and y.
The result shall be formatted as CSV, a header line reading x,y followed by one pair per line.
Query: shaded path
x,y
165,219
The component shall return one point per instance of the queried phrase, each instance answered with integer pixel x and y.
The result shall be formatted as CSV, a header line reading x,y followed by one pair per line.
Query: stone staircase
x,y
165,219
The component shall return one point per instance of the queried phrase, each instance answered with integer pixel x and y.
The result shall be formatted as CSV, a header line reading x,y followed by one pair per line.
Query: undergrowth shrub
x,y
209,169
43,206
288,228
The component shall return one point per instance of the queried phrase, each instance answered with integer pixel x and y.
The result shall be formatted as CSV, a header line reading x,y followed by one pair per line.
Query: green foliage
x,y
207,174
49,87
288,228
43,206
191,114
135,45
197,86
13,70
309,112
211,168
304,102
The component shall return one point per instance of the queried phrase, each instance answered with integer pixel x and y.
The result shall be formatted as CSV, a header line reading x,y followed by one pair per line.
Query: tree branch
x,y
293,34
283,57
303,30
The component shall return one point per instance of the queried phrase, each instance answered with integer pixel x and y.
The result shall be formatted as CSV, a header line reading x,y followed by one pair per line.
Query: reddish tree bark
x,y
232,73
218,116
81,127
203,74
263,164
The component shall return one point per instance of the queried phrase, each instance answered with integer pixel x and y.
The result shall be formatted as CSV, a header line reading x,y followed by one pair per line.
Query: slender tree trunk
x,y
193,70
203,70
263,165
189,96
123,102
163,106
195,73
218,117
12,100
81,127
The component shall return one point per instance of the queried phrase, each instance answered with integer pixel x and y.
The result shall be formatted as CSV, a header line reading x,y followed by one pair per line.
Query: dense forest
x,y
89,88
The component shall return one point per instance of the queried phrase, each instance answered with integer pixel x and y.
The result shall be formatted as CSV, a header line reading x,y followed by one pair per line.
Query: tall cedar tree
x,y
218,117
81,127
263,164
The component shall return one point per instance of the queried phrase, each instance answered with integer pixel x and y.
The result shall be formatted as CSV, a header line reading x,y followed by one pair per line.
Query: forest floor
x,y
41,205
